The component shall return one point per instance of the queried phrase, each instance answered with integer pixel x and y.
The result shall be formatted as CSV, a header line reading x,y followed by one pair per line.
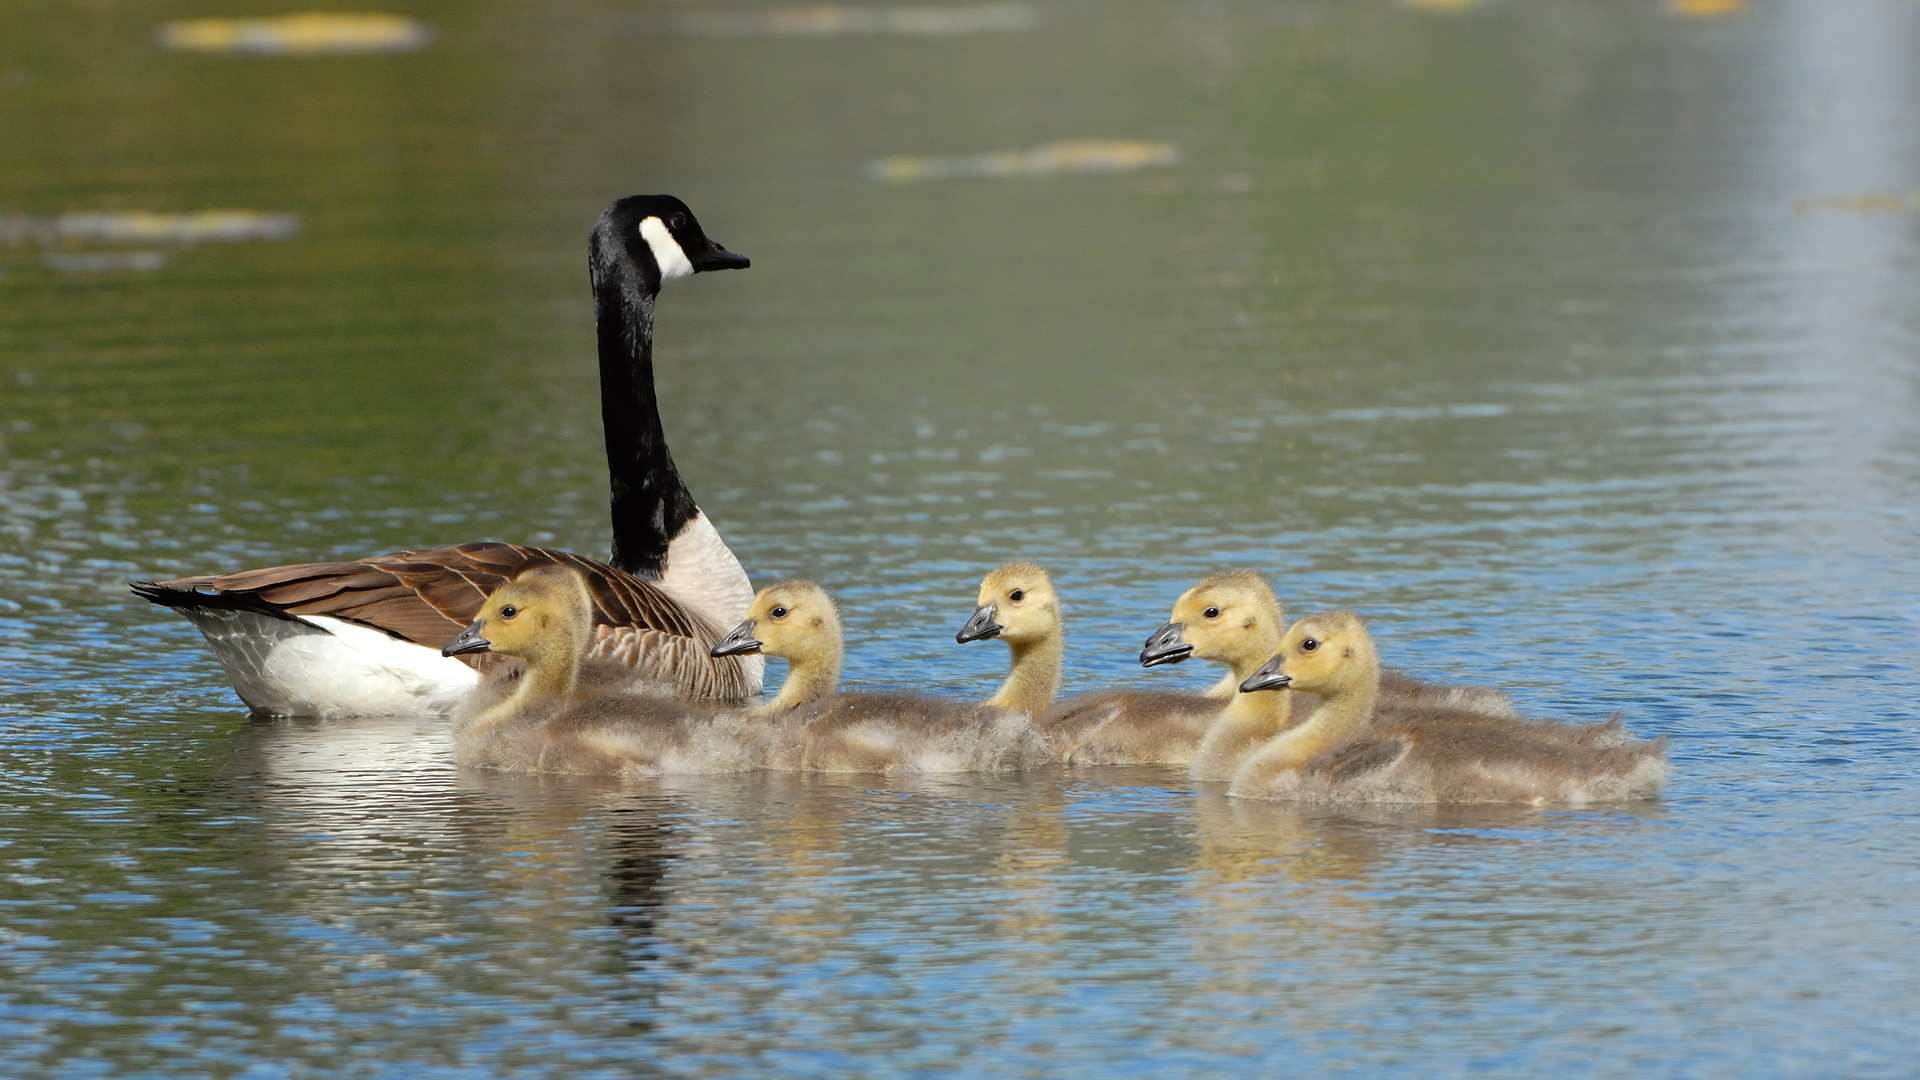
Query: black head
x,y
661,236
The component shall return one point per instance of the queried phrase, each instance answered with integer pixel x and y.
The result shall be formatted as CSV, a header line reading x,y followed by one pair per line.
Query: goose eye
x,y
1212,613
779,612
1309,645
677,222
509,611
1017,595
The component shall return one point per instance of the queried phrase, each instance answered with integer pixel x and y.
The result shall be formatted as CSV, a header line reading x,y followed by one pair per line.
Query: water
x,y
1573,343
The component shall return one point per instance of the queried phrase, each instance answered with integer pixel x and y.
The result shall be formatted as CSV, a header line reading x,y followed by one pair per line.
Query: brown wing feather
x,y
427,596
682,662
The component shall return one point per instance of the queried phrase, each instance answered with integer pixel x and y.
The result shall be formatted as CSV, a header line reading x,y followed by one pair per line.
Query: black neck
x,y
650,503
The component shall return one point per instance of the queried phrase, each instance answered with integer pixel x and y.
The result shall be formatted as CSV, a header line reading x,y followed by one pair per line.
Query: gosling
x,y
561,715
817,729
1232,619
1352,748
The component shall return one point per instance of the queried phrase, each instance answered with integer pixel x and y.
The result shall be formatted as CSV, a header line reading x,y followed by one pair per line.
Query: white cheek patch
x,y
666,250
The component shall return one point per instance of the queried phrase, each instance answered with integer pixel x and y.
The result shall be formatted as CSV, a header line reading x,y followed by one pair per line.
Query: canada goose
x,y
1231,618
1354,749
361,638
565,716
817,729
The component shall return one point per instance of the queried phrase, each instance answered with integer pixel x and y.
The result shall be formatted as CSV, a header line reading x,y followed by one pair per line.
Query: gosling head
x,y
1017,605
658,234
1230,618
536,611
791,619
1320,654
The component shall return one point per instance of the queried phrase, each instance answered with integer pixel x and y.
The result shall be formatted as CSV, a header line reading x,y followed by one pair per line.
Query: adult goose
x,y
364,637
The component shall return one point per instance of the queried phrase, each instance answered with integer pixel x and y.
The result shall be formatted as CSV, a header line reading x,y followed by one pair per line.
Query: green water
x,y
1571,342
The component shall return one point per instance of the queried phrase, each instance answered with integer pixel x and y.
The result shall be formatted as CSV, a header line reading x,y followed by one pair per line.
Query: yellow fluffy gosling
x,y
1355,749
1232,619
560,716
1017,605
817,729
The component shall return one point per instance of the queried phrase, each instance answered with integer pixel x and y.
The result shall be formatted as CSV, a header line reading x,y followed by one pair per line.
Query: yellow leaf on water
x,y
1863,202
1706,9
820,20
1077,155
307,32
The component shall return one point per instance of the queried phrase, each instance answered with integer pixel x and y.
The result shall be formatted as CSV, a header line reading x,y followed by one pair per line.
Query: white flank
x,y
703,574
667,253
317,666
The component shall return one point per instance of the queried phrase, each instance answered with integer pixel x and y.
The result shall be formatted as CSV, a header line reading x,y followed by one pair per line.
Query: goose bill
x,y
980,627
467,641
1165,646
721,259
1267,678
738,643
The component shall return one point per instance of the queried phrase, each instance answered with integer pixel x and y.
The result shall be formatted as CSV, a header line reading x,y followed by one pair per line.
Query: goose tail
x,y
283,664
186,594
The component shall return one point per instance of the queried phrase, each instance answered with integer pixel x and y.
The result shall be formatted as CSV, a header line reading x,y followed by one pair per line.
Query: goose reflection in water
x,y
1030,864
347,789
1310,882
565,838
374,806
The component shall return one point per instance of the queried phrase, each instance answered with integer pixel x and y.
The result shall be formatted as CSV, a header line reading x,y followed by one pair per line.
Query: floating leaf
x,y
308,32
1864,202
1080,155
1706,9
827,19
147,227
100,262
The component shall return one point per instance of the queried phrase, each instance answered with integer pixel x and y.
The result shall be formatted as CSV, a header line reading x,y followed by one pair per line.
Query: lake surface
x,y
1574,343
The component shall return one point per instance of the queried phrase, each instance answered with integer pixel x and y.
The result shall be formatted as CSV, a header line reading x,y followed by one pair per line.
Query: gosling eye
x,y
1212,613
1309,645
779,612
509,611
1017,595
